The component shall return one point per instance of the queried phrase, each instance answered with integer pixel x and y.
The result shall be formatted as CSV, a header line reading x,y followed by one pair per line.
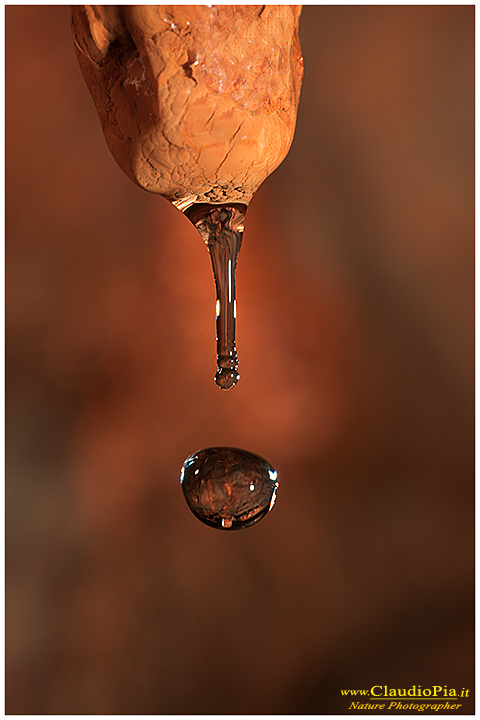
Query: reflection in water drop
x,y
221,227
228,488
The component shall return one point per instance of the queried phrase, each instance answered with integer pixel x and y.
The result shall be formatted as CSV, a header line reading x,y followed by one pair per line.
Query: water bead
x,y
226,378
228,488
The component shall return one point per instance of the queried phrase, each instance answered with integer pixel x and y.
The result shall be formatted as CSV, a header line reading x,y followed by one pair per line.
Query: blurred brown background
x,y
355,337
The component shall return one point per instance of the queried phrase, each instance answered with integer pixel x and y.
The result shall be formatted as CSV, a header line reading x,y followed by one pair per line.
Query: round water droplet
x,y
228,488
226,378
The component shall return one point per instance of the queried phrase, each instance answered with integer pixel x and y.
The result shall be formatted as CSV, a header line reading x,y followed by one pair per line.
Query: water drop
x,y
228,488
221,227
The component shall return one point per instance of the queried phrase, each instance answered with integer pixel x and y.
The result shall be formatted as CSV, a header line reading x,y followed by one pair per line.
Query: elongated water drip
x,y
221,227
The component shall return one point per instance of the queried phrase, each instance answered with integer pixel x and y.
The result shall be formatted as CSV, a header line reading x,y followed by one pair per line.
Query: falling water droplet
x,y
221,227
228,488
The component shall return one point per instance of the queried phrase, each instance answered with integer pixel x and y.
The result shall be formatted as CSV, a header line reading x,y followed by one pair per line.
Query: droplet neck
x,y
221,227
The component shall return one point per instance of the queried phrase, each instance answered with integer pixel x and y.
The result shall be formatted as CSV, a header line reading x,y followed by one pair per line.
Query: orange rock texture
x,y
197,103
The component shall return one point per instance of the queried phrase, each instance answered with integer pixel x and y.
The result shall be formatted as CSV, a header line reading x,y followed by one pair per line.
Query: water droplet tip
x,y
226,378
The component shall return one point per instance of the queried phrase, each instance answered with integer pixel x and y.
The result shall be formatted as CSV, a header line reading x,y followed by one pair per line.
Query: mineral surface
x,y
197,103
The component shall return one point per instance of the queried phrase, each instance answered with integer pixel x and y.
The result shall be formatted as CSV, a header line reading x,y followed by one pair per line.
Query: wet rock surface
x,y
198,103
